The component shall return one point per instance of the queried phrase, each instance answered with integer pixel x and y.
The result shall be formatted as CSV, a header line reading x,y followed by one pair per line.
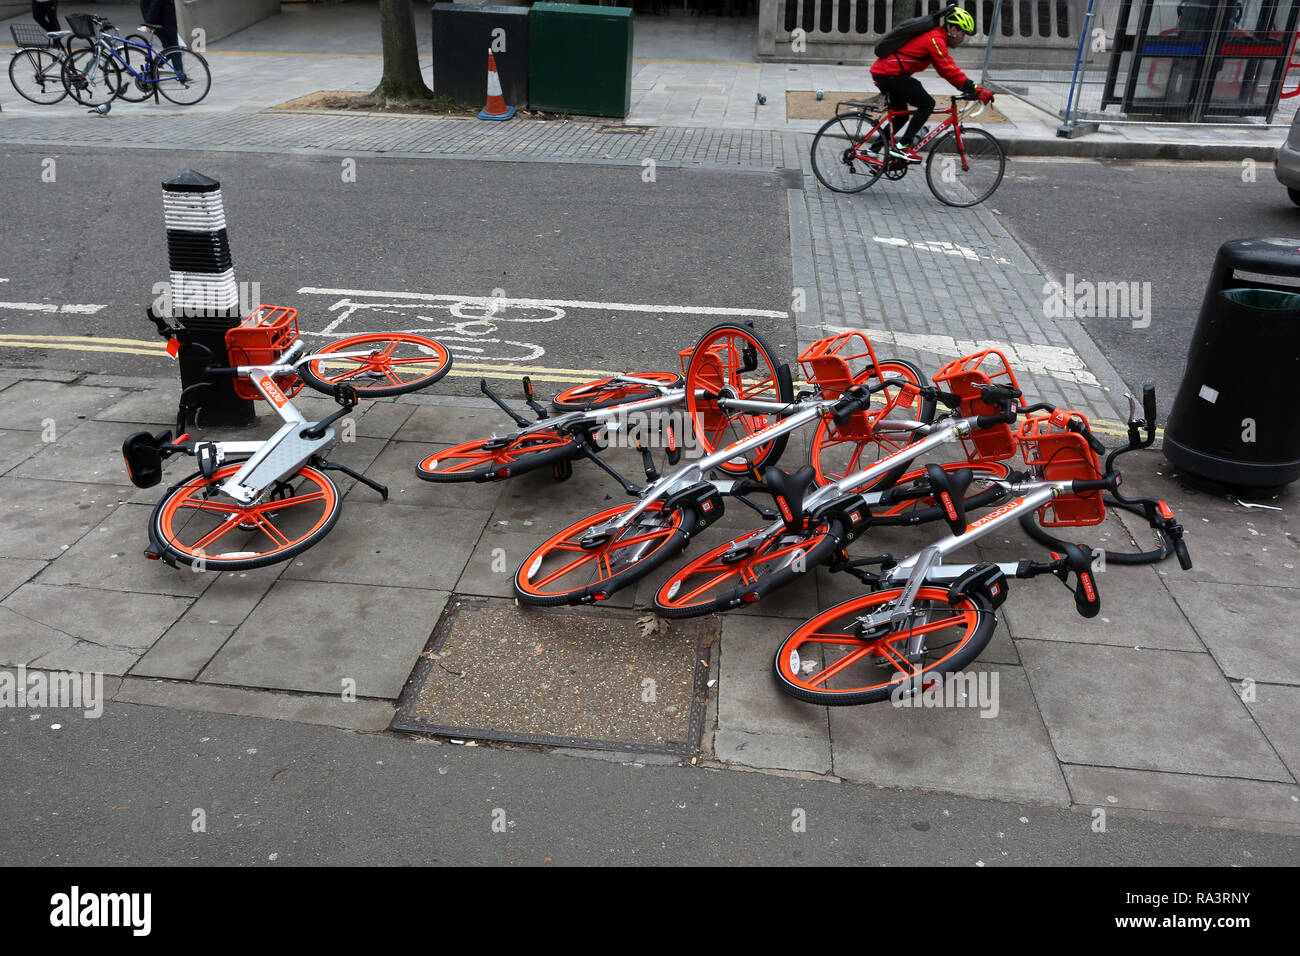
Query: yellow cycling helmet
x,y
962,20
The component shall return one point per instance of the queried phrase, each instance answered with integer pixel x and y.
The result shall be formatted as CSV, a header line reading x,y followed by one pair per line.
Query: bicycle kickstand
x,y
370,483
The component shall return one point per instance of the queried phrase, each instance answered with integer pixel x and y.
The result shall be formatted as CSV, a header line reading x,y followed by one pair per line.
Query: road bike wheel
x,y
608,392
492,459
562,571
396,363
183,75
92,78
736,361
710,583
837,451
198,525
836,160
135,90
37,75
968,181
909,500
825,661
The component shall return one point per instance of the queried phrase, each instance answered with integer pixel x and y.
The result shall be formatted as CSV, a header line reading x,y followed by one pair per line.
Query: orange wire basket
x,y
1062,455
259,340
837,363
964,377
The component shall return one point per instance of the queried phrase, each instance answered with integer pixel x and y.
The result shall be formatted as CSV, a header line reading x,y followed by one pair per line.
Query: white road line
x,y
941,246
1052,360
51,307
486,300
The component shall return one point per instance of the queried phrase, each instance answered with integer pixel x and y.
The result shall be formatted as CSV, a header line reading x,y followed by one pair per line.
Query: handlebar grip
x,y
851,408
219,370
1086,599
988,421
1149,405
1184,558
1083,485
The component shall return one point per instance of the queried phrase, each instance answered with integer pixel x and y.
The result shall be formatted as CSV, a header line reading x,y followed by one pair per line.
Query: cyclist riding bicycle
x,y
893,75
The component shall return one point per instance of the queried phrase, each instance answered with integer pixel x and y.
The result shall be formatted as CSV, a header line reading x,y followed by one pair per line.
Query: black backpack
x,y
893,41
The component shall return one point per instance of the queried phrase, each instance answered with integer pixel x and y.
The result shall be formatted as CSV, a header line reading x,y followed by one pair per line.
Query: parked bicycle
x,y
115,67
964,167
36,69
255,503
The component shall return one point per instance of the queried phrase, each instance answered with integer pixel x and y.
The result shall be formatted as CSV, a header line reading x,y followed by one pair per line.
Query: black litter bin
x,y
1233,422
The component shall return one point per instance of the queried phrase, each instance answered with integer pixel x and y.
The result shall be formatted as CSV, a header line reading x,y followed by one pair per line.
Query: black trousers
x,y
902,92
46,14
161,15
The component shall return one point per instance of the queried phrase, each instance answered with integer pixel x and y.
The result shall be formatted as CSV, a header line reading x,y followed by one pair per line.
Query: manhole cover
x,y
561,677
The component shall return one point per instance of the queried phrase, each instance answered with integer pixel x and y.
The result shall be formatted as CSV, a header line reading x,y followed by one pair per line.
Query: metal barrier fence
x,y
1174,61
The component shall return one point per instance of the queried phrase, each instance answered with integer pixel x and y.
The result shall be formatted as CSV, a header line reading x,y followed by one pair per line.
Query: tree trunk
x,y
402,81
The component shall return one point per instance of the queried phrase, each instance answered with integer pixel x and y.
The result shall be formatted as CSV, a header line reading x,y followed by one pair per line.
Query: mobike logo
x,y
1089,592
785,508
707,506
855,516
272,391
996,513
948,505
1060,418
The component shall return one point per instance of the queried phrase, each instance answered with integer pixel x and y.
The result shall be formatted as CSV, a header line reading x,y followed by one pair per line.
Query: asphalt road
x,y
1141,222
411,245
124,788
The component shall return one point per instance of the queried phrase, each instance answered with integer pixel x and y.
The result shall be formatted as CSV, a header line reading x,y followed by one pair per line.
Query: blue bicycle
x,y
114,67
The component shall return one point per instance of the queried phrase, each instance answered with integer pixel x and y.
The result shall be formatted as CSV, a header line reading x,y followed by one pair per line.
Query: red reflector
x,y
151,556
599,596
173,347
503,472
184,438
751,597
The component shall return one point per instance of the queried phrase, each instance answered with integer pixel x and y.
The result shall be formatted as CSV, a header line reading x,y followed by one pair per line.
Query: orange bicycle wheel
x,y
568,569
491,459
837,451
826,661
198,525
608,392
394,363
735,361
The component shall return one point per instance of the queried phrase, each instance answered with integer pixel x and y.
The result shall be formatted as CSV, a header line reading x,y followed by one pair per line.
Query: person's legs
x,y
895,95
46,14
922,101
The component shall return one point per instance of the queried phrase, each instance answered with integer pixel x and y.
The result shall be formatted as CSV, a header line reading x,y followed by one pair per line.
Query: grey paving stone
x,y
85,656
41,519
30,406
1145,710
394,544
15,572
17,446
308,636
773,751
444,426
1184,794
91,452
1277,710
491,567
23,640
111,618
367,716
953,749
111,557
1245,627
396,467
155,407
382,419
183,652
748,699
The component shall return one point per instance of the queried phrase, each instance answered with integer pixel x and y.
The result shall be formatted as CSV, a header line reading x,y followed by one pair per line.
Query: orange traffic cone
x,y
496,108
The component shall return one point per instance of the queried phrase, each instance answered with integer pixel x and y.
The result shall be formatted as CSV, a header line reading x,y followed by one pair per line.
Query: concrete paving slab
x,y
17,446
1145,710
39,406
23,640
383,419
112,557
491,568
153,407
395,467
1245,627
41,519
444,426
91,452
83,656
15,572
748,698
953,749
311,637
394,544
773,752
1277,710
1108,787
366,716
110,618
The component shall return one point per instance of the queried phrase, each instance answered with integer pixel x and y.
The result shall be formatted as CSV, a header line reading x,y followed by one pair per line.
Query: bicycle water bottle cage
x,y
949,488
788,491
970,378
143,455
850,511
985,579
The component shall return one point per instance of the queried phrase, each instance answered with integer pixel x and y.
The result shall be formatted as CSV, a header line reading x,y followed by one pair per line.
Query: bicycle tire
x,y
135,90
828,439
673,532
974,179
432,358
191,548
833,154
894,512
37,76
974,623
475,461
608,392
719,360
91,78
773,565
186,83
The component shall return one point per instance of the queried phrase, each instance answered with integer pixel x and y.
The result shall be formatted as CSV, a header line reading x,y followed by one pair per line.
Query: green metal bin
x,y
580,59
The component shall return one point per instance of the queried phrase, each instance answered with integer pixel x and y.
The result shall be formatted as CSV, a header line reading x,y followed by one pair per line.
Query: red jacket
x,y
918,53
